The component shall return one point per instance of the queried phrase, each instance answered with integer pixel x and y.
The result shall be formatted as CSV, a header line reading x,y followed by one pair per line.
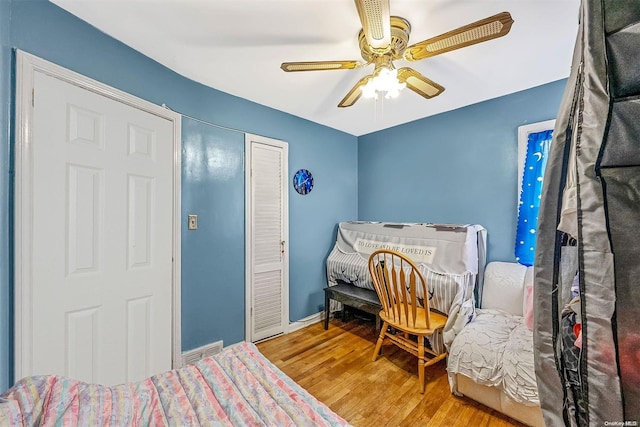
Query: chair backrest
x,y
401,288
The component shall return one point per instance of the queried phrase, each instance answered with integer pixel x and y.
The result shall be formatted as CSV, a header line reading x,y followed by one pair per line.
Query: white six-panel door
x,y
267,237
98,208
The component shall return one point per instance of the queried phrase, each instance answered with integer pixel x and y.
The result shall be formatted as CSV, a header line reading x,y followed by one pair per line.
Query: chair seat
x,y
437,322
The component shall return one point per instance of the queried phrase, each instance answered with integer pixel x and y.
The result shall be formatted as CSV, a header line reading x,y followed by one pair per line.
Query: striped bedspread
x,y
236,387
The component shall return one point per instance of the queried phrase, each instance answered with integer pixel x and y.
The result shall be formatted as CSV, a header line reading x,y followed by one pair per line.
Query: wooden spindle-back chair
x,y
404,296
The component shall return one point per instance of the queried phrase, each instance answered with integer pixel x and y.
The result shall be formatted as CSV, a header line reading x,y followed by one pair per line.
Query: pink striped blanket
x,y
236,387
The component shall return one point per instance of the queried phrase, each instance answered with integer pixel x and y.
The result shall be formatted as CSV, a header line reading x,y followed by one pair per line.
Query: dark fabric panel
x,y
623,49
604,131
620,13
596,276
587,117
622,146
547,358
546,322
623,207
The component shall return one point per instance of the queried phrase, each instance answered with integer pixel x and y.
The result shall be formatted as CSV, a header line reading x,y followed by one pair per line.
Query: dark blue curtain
x,y
530,195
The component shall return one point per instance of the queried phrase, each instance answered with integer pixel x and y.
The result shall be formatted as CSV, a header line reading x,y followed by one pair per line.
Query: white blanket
x,y
496,349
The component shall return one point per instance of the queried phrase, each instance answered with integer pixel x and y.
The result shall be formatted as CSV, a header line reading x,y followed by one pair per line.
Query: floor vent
x,y
196,354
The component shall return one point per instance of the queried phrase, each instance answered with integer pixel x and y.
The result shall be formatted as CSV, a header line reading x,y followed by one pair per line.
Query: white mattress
x,y
496,349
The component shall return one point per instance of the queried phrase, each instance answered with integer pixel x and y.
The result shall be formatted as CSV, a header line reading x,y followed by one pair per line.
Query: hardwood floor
x,y
335,366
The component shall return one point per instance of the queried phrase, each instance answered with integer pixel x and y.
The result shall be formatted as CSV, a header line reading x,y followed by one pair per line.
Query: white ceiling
x,y
237,46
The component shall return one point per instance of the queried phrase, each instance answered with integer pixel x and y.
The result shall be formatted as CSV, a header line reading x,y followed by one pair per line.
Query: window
x,y
533,148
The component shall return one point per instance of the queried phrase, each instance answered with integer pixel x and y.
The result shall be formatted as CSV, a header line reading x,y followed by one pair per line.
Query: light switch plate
x,y
192,222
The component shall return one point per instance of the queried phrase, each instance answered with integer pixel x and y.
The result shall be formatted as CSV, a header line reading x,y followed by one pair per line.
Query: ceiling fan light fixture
x,y
384,82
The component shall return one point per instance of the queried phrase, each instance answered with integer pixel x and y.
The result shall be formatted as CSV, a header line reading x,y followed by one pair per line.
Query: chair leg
x,y
421,362
376,352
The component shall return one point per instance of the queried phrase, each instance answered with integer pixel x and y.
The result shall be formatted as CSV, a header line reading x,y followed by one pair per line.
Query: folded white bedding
x,y
496,349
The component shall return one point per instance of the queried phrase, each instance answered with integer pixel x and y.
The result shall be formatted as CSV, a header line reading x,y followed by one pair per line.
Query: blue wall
x,y
213,256
213,172
455,167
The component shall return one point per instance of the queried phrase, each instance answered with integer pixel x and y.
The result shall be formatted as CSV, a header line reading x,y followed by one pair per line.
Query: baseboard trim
x,y
303,323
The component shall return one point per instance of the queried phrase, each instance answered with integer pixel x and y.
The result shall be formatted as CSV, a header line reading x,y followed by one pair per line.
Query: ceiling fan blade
x,y
376,23
486,29
419,83
320,65
355,92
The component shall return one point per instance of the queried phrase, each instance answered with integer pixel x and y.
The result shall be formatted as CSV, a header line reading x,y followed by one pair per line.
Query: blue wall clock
x,y
303,181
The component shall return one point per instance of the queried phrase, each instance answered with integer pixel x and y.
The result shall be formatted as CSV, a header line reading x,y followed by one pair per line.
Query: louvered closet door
x,y
267,230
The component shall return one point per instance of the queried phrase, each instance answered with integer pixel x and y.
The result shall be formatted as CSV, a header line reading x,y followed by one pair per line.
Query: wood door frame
x,y
26,67
249,139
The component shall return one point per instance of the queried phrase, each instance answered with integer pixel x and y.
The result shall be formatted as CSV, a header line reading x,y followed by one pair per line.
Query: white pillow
x,y
504,287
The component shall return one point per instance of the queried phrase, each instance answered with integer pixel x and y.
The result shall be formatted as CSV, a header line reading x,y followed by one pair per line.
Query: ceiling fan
x,y
384,38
